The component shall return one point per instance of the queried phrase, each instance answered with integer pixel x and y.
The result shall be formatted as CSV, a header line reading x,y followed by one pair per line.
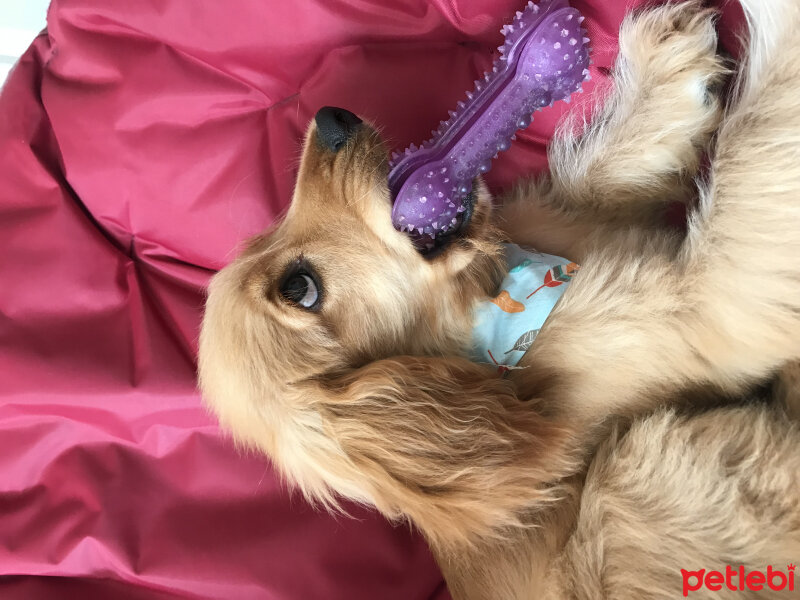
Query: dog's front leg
x,y
642,146
652,316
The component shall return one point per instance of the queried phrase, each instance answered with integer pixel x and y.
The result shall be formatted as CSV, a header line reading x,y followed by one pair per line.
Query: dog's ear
x,y
444,442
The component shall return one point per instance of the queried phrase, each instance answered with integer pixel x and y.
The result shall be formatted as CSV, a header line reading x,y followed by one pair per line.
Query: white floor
x,y
20,22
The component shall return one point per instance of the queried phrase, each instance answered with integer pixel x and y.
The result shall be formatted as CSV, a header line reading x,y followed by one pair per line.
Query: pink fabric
x,y
140,143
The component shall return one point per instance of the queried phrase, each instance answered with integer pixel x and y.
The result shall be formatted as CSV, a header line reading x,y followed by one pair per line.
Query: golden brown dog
x,y
338,349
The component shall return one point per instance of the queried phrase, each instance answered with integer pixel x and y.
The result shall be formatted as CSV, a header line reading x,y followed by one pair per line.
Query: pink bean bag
x,y
140,143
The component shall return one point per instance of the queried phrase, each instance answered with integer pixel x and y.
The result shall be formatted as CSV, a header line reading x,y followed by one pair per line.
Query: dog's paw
x,y
668,56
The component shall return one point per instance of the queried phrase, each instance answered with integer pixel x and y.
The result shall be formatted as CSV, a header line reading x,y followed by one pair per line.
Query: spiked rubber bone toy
x,y
544,59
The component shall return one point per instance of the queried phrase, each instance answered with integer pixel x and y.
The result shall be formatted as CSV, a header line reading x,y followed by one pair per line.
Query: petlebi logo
x,y
738,579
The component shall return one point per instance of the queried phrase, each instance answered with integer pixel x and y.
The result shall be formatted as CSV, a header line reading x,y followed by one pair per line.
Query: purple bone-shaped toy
x,y
544,59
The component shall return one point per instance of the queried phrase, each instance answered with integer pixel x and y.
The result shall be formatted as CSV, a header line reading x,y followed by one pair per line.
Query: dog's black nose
x,y
335,126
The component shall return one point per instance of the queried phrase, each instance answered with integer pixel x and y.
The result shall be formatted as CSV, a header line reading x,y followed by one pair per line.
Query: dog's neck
x,y
505,325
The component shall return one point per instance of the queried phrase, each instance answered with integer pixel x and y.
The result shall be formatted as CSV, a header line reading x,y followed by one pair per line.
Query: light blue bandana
x,y
506,326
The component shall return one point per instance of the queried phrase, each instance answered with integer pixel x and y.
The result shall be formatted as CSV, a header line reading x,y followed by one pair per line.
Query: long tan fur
x,y
570,478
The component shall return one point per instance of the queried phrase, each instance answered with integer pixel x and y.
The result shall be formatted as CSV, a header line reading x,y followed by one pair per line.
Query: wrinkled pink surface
x,y
140,143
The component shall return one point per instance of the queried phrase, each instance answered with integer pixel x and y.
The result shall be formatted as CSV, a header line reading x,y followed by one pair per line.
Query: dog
x,y
620,461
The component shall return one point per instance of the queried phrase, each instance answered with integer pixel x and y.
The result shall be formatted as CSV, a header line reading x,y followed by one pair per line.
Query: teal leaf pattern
x,y
524,342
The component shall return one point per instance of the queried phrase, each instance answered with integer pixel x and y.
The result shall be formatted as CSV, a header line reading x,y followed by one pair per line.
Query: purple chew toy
x,y
544,59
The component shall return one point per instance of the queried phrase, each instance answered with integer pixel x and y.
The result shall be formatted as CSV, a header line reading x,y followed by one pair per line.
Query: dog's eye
x,y
302,288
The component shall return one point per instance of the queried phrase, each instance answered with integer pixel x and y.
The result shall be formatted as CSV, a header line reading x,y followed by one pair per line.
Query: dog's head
x,y
332,344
